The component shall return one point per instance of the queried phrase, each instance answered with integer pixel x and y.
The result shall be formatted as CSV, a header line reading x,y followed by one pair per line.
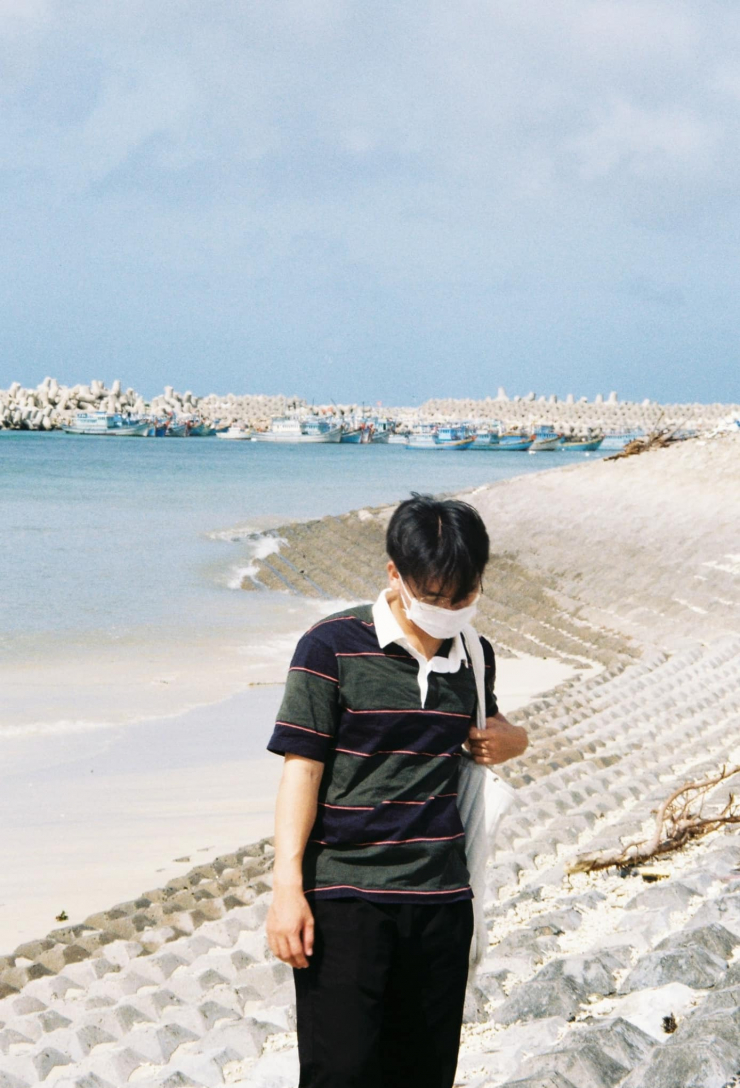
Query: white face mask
x,y
435,621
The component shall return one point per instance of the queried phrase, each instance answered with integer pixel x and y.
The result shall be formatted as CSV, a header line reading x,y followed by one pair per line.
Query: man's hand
x,y
499,741
290,926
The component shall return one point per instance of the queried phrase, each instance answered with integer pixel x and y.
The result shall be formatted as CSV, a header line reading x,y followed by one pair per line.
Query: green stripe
x,y
423,866
310,701
388,683
358,780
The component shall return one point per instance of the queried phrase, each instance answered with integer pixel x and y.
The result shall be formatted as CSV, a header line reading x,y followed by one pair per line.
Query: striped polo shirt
x,y
387,826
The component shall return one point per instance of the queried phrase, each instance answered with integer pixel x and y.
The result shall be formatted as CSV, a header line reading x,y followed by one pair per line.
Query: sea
x,y
123,560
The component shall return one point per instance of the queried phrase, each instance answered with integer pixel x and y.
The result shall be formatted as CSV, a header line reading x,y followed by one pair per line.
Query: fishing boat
x,y
422,437
617,440
483,438
315,429
511,442
586,445
202,429
546,438
380,431
177,430
293,429
547,442
448,437
236,433
108,423
352,436
162,426
374,431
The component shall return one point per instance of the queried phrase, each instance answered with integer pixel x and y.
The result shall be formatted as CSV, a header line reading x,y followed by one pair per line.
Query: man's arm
x,y
289,925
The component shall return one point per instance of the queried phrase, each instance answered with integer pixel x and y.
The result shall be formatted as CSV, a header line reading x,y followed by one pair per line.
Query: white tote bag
x,y
482,799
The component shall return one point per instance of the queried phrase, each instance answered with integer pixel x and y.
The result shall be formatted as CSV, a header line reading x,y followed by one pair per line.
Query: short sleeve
x,y
309,713
490,677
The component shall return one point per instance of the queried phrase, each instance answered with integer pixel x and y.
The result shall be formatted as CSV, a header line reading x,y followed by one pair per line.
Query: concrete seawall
x,y
51,405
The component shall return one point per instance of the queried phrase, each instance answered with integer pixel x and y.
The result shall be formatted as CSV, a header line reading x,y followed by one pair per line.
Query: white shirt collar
x,y
388,629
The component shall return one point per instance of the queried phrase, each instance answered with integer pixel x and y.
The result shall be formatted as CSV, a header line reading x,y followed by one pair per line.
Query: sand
x,y
85,685
105,814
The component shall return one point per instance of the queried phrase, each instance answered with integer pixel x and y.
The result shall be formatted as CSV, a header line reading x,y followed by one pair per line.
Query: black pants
x,y
380,1004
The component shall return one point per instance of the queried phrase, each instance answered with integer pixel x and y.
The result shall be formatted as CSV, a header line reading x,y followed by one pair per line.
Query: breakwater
x,y
609,415
51,405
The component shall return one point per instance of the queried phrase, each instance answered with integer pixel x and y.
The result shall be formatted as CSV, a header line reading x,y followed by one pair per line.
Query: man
x,y
371,895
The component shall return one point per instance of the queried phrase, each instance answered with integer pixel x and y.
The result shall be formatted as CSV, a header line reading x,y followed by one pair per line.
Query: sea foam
x,y
260,546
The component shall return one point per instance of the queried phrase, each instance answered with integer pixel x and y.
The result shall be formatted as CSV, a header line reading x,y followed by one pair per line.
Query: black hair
x,y
442,541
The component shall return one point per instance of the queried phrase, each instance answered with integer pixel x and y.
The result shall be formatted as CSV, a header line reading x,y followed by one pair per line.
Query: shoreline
x,y
96,823
100,685
73,682
582,969
169,627
196,783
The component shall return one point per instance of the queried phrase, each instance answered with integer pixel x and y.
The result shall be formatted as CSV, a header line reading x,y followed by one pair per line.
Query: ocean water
x,y
122,561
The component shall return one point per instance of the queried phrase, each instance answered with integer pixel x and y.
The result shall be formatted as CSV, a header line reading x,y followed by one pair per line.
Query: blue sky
x,y
372,201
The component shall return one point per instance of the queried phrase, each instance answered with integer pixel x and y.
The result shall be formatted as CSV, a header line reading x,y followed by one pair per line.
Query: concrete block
x,y
536,1000
694,967
706,1063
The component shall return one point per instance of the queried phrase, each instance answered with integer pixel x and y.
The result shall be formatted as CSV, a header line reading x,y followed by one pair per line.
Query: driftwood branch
x,y
656,439
678,820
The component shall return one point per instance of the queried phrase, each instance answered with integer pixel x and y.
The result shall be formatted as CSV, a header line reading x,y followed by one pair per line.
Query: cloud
x,y
211,166
650,144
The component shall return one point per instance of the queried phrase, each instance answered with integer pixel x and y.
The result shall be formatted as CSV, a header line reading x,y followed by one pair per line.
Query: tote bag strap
x,y
473,646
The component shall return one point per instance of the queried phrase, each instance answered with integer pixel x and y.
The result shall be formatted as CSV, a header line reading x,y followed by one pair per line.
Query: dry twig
x,y
675,825
656,439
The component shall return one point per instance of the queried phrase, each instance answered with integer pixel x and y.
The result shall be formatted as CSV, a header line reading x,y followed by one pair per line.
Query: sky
x,y
372,201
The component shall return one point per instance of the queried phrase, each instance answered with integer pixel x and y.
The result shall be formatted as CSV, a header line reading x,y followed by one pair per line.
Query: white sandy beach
x,y
105,814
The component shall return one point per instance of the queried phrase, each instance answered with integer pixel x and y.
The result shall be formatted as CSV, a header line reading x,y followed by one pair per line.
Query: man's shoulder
x,y
488,654
348,623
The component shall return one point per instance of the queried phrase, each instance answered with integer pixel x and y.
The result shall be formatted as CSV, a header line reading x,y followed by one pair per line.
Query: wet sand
x,y
102,815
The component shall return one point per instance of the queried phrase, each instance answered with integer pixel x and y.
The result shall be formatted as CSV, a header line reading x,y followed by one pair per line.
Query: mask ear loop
x,y
405,590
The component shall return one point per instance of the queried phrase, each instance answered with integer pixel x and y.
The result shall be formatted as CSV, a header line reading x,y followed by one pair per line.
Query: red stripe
x,y
398,752
387,891
372,653
441,713
432,798
336,619
371,808
367,808
324,736
392,842
301,668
